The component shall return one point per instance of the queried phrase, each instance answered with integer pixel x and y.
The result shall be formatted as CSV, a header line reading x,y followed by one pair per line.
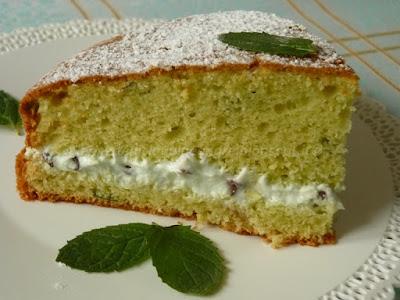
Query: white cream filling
x,y
187,172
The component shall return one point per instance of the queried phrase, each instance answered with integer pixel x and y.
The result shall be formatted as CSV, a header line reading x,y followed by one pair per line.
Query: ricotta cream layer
x,y
188,171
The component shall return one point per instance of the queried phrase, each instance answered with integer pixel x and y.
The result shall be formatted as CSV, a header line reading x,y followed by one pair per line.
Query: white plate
x,y
31,232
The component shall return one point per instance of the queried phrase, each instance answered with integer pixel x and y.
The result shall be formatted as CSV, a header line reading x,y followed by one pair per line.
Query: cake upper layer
x,y
191,41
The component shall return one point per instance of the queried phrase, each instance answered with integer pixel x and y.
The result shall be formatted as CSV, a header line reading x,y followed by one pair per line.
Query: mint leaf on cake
x,y
269,43
185,260
9,115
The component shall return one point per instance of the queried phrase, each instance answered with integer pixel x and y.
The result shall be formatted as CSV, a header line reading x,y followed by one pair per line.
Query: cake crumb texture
x,y
290,126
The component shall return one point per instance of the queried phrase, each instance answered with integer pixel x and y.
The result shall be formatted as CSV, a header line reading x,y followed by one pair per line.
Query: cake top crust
x,y
190,41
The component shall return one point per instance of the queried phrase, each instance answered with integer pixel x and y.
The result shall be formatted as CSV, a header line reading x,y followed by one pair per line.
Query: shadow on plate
x,y
369,186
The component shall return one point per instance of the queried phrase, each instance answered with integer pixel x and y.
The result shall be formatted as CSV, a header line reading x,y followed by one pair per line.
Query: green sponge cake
x,y
170,120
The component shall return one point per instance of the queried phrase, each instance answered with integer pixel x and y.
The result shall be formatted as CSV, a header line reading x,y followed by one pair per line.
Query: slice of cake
x,y
170,120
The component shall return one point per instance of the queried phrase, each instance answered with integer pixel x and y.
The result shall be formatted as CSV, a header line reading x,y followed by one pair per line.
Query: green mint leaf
x,y
396,293
269,43
112,248
9,114
186,261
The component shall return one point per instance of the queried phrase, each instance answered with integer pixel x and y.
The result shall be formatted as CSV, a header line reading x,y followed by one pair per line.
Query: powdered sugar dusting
x,y
191,41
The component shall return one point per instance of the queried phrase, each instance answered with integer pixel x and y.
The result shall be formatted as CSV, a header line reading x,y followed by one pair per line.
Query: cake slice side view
x,y
170,120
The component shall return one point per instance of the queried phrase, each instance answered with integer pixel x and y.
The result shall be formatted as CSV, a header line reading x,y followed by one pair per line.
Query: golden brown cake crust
x,y
29,194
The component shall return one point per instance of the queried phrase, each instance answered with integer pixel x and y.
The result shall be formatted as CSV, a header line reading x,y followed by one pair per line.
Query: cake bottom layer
x,y
279,224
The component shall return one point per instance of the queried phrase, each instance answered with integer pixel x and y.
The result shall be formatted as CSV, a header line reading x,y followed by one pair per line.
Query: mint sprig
x,y
184,259
269,43
9,114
